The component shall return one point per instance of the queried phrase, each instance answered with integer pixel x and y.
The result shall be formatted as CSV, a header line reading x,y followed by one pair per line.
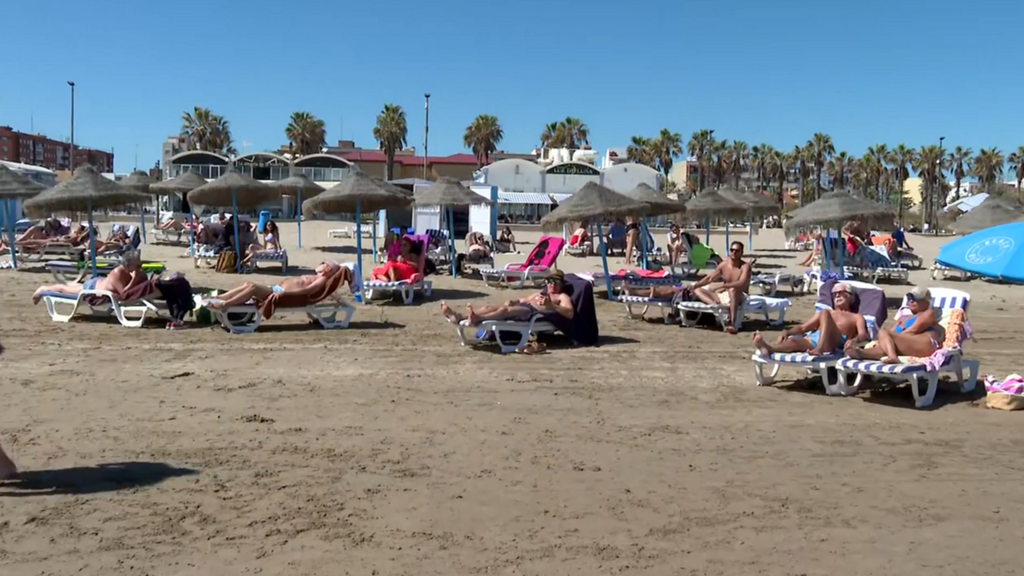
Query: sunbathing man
x,y
552,299
827,332
122,278
734,275
308,284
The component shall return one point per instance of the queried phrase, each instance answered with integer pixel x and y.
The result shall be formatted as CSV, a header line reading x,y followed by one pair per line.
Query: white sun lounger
x,y
946,271
473,335
765,305
63,307
405,288
664,306
279,257
944,299
770,283
346,232
247,318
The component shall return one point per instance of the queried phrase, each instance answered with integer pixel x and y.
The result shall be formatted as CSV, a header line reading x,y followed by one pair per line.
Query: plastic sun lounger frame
x,y
326,314
663,306
280,257
405,288
58,250
753,305
946,271
946,299
769,283
348,233
67,272
128,314
514,277
535,325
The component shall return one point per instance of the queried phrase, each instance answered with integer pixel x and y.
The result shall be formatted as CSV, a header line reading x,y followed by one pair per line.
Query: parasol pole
x,y
9,222
359,246
191,231
726,235
298,220
234,221
92,238
142,223
604,261
452,256
375,215
643,242
707,231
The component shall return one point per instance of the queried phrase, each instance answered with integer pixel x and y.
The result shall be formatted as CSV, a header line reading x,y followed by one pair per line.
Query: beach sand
x,y
389,449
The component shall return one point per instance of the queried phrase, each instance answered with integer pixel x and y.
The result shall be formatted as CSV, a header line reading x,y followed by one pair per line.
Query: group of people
x,y
856,235
51,232
841,329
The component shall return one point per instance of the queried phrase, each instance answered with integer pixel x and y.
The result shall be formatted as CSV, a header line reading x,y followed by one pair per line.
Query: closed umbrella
x,y
85,191
234,190
449,193
140,182
182,184
355,193
14,187
594,202
301,187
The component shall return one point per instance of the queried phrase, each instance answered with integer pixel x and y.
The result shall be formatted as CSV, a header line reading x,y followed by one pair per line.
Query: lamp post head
x,y
70,83
427,95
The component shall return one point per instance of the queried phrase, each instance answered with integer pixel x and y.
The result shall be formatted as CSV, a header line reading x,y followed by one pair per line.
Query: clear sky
x,y
771,71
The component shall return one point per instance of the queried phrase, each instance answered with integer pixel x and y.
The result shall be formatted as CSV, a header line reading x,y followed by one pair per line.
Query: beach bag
x,y
1005,394
227,262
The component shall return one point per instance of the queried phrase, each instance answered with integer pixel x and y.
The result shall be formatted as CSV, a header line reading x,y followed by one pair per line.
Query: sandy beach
x,y
388,449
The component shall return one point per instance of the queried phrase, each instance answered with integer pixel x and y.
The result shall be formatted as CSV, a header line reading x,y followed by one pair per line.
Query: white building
x,y
38,174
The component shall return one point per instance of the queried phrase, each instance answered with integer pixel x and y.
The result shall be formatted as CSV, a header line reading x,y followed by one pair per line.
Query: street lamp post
x,y
72,84
426,130
933,216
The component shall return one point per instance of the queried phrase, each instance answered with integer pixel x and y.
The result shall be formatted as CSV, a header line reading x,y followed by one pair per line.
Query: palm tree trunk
x,y
899,197
817,181
389,166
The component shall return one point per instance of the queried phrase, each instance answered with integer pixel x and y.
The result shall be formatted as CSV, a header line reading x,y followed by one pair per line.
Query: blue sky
x,y
771,71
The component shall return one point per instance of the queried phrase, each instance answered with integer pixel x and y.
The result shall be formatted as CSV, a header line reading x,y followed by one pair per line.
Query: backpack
x,y
227,262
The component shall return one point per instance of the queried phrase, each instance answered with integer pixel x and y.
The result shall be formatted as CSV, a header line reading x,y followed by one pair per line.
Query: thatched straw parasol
x,y
449,192
657,204
15,186
591,202
233,190
85,191
299,186
834,209
180,184
992,212
756,204
711,204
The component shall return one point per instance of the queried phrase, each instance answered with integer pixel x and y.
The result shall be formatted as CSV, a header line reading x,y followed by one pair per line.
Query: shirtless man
x,y
122,278
827,332
734,275
553,299
298,285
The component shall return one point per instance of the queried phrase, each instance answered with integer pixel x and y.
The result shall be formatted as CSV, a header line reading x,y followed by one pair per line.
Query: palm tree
x,y
699,147
738,160
803,158
1016,159
900,158
390,133
960,161
880,154
822,149
207,131
988,166
839,170
570,133
641,151
306,133
928,165
482,136
760,162
719,157
665,148
779,165
552,136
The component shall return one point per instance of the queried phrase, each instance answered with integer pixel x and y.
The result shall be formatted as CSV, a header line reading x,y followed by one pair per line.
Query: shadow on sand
x,y
90,479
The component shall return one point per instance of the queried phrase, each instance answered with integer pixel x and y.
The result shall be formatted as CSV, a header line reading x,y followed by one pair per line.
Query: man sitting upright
x,y
827,332
734,275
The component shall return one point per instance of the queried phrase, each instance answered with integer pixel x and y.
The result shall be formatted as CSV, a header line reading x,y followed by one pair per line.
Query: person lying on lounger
x,y
734,275
308,284
122,278
916,334
827,332
551,299
401,268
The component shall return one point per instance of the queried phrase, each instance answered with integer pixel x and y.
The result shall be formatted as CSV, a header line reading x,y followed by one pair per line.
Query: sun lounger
x,y
536,267
876,265
67,271
912,371
946,271
760,305
346,232
279,257
130,314
582,328
664,306
869,302
770,283
407,289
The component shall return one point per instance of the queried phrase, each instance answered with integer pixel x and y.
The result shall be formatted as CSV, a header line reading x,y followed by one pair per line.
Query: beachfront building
x,y
35,173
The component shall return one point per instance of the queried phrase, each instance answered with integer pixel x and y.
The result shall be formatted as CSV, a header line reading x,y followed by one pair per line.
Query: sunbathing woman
x,y
553,299
917,334
307,284
815,251
271,243
401,268
122,278
172,224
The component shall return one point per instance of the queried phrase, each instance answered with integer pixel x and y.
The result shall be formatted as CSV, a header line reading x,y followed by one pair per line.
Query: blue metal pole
x,y
298,220
234,220
375,214
707,232
359,249
191,231
643,242
726,236
142,225
604,262
92,238
451,242
9,221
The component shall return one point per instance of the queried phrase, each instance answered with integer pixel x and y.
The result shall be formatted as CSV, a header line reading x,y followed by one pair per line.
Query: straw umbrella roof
x,y
992,212
86,190
836,208
360,189
657,204
710,203
138,181
449,192
298,185
248,193
757,204
15,185
590,202
180,184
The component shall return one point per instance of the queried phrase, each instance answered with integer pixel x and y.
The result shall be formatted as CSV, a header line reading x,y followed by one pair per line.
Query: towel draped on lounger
x,y
301,299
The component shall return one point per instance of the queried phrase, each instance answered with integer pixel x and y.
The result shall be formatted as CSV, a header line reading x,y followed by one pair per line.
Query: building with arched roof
x,y
209,165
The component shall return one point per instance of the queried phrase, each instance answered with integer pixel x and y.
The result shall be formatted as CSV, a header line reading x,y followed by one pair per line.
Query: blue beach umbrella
x,y
236,191
85,191
996,252
14,187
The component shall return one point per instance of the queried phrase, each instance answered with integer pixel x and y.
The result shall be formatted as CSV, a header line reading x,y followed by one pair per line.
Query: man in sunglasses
x,y
827,332
551,299
733,275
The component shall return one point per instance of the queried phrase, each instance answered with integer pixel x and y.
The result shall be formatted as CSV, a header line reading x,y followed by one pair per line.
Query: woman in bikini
x,y
917,334
271,243
401,268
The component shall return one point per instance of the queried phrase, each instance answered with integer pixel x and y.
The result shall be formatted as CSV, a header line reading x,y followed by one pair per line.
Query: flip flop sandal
x,y
534,348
